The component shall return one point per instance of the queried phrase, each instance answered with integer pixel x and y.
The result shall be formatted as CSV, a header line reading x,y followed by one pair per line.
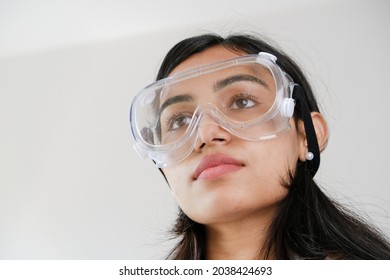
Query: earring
x,y
309,155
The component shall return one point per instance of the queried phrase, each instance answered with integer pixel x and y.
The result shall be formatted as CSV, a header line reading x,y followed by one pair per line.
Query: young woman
x,y
234,127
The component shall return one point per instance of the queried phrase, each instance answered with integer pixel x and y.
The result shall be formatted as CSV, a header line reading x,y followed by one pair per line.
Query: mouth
x,y
215,166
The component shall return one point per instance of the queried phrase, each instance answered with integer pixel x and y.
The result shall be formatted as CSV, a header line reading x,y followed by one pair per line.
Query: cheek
x,y
274,159
177,179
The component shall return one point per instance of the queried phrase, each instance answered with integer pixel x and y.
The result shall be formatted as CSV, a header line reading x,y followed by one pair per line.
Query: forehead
x,y
209,56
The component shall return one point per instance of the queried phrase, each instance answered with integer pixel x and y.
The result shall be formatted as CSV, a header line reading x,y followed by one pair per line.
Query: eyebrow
x,y
237,78
174,100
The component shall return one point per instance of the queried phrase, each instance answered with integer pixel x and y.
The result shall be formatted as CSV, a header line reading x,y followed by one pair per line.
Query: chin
x,y
218,213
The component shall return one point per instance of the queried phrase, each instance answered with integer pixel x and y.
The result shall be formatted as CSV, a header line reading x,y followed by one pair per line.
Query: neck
x,y
240,240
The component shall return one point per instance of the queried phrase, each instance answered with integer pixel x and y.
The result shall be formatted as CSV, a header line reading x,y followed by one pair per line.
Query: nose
x,y
210,133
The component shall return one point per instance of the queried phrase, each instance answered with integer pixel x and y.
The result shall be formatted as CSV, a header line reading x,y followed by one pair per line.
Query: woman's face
x,y
227,178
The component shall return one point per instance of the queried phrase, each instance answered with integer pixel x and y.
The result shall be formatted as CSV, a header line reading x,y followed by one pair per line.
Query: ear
x,y
322,133
321,128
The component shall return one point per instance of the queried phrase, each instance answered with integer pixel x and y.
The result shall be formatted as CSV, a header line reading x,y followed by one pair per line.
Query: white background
x,y
71,187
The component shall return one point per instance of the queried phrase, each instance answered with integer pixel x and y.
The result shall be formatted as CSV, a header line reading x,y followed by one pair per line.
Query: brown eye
x,y
243,102
178,122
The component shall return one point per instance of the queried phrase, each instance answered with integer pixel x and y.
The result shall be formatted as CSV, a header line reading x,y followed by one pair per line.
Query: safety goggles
x,y
249,96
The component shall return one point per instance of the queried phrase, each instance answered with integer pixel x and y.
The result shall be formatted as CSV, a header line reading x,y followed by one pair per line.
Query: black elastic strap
x,y
312,143
165,177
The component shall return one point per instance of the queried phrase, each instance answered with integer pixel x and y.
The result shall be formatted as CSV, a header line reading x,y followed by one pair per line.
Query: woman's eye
x,y
242,103
177,122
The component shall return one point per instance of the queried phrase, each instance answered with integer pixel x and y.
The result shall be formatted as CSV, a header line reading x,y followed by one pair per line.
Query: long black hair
x,y
308,224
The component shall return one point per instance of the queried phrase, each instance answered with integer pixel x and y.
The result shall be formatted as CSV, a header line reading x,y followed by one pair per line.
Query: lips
x,y
215,166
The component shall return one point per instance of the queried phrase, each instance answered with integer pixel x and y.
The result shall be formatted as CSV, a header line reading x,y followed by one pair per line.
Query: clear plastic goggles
x,y
249,96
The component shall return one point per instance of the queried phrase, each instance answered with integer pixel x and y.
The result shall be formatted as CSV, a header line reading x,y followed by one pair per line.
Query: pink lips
x,y
214,166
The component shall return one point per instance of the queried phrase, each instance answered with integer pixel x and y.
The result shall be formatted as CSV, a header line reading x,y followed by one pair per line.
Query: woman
x,y
234,127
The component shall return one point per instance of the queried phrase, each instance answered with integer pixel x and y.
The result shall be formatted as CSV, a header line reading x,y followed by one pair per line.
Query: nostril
x,y
213,140
211,133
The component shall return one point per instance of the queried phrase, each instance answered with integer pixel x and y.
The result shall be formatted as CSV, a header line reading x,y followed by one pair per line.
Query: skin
x,y
237,206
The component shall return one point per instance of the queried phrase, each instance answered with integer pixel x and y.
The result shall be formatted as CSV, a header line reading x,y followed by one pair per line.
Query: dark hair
x,y
308,224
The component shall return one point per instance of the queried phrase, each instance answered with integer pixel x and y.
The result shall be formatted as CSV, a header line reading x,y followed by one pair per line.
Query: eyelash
x,y
174,116
243,96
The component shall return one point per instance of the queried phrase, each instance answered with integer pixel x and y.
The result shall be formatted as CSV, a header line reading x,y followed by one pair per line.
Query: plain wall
x,y
71,187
